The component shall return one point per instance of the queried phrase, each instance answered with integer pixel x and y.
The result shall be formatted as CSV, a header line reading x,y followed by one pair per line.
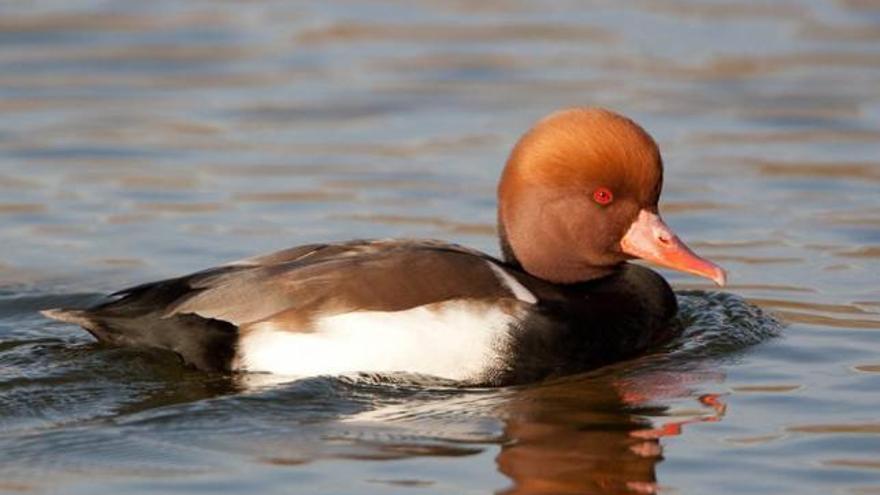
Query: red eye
x,y
602,195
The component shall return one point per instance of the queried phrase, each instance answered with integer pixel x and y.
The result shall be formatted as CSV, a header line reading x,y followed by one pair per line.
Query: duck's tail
x,y
75,316
204,343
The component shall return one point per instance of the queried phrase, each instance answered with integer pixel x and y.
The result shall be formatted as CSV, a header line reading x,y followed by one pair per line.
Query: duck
x,y
577,203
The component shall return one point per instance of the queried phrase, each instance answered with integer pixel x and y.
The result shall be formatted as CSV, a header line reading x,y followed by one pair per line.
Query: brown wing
x,y
296,283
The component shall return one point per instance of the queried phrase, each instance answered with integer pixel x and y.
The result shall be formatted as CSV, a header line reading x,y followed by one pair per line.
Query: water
x,y
144,139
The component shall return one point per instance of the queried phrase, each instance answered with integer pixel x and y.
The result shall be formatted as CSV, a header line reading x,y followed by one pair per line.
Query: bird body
x,y
577,199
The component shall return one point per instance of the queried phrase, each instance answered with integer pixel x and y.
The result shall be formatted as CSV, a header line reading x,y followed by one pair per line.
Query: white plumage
x,y
457,340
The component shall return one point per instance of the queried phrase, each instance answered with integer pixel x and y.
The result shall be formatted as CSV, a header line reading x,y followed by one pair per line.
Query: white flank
x,y
519,290
457,340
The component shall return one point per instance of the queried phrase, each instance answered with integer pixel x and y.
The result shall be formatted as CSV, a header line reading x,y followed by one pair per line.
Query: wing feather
x,y
385,275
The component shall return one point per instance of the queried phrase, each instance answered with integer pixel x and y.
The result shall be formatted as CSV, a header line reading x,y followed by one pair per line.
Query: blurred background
x,y
143,139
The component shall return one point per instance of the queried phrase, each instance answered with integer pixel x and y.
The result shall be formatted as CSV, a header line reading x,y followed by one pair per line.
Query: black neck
x,y
507,251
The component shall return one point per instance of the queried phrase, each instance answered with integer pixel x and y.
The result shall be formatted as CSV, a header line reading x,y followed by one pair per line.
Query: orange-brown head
x,y
579,196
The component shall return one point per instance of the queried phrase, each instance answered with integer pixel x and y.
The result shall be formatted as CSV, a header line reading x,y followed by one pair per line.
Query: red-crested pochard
x,y
577,199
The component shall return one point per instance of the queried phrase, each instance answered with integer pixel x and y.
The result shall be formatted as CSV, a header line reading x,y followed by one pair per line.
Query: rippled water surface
x,y
144,139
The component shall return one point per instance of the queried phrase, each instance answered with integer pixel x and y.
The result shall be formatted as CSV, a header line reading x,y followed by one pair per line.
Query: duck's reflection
x,y
586,436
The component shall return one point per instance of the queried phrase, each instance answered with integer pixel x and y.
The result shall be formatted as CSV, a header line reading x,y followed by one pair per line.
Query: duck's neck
x,y
506,251
563,274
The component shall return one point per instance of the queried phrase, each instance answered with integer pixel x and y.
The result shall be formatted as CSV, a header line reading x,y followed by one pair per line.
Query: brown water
x,y
144,139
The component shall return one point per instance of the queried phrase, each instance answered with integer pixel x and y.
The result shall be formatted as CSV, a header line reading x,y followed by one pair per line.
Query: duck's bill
x,y
652,240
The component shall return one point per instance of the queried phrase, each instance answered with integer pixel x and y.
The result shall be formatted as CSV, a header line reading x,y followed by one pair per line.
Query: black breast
x,y
580,327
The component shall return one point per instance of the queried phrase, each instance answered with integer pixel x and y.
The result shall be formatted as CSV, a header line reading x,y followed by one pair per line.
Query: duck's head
x,y
579,196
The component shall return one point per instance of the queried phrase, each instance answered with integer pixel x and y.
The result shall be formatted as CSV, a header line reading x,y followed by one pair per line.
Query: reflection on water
x,y
592,438
140,140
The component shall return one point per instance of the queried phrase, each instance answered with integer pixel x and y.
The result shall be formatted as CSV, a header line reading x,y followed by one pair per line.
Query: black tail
x,y
76,316
204,343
